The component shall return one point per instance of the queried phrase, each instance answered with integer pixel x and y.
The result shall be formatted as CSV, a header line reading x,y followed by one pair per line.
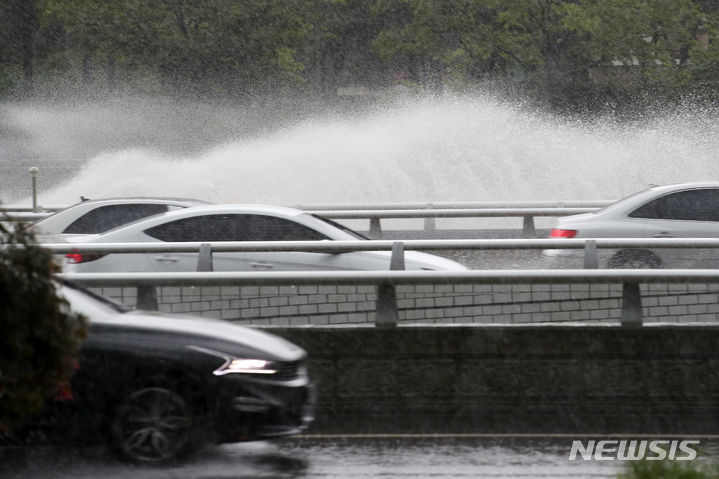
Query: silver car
x,y
100,215
687,210
215,223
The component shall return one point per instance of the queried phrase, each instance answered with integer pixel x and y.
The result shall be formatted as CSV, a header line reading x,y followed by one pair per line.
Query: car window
x,y
233,228
196,229
272,228
105,218
694,205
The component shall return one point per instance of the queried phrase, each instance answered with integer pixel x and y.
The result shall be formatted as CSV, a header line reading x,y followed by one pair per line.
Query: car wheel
x,y
634,259
153,425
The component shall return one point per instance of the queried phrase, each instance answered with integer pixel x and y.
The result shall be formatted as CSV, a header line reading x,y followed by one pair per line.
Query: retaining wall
x,y
433,304
514,379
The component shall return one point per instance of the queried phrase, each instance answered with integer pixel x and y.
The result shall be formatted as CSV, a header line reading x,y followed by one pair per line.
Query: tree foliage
x,y
40,337
560,50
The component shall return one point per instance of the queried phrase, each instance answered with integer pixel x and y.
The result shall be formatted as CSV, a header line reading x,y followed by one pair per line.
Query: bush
x,y
40,337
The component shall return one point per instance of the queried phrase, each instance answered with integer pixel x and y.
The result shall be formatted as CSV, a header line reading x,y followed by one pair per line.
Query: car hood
x,y
182,331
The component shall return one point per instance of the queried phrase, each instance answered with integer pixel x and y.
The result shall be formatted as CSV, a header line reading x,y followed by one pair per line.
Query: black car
x,y
156,387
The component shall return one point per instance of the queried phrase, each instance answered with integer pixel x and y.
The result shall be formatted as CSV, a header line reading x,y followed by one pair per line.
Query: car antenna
x,y
83,199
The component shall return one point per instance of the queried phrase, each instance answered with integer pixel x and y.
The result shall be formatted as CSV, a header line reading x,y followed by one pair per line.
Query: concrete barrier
x,y
603,379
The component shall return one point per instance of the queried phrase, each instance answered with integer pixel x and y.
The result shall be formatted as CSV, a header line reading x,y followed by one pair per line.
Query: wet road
x,y
332,457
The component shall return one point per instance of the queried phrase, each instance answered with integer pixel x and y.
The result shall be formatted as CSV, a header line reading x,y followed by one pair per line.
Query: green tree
x,y
40,337
338,51
18,31
661,44
563,51
201,45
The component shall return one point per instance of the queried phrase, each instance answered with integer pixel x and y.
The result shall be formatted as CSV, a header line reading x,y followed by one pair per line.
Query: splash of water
x,y
459,149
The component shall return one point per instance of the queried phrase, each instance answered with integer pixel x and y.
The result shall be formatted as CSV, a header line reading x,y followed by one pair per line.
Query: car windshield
x,y
629,200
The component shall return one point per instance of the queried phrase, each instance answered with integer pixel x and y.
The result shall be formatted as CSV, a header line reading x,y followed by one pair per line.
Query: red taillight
x,y
77,258
559,233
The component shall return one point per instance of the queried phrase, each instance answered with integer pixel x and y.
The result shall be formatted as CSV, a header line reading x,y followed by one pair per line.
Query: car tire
x,y
153,424
634,259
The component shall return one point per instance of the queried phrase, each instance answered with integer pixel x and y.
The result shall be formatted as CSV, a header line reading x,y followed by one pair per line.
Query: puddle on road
x,y
352,458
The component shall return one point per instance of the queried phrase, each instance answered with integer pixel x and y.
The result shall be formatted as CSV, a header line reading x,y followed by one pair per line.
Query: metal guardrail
x,y
455,205
22,216
29,209
395,206
375,216
587,244
377,212
387,280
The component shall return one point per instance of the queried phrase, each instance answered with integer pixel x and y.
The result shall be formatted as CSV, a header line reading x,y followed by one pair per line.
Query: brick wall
x,y
432,304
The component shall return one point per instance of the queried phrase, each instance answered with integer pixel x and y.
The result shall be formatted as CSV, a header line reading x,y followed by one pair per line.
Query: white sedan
x,y
100,215
686,210
239,223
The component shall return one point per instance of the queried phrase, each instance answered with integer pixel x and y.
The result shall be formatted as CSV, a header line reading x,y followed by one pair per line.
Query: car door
x,y
684,214
260,227
243,227
202,229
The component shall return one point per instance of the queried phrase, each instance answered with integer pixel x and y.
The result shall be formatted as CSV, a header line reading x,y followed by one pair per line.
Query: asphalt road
x,y
333,457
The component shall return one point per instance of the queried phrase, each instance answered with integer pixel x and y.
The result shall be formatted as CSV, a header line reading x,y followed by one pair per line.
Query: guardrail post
x,y
631,304
528,230
429,223
386,311
204,259
375,228
147,298
34,170
591,260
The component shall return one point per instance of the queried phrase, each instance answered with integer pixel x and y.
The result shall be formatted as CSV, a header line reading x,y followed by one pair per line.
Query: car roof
x,y
684,186
640,197
141,199
269,210
238,208
85,206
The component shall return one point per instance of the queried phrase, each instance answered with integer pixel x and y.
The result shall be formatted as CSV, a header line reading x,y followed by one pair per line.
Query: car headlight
x,y
234,365
245,366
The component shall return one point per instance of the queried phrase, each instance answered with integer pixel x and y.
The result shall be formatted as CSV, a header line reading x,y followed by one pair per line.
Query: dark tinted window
x,y
271,228
107,217
199,228
234,228
695,205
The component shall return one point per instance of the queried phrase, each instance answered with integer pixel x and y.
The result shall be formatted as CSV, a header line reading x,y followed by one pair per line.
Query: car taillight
x,y
77,258
560,233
